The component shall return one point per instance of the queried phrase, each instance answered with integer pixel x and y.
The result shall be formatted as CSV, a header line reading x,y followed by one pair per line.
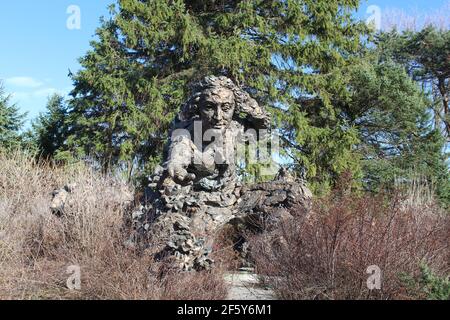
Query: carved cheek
x,y
229,114
207,114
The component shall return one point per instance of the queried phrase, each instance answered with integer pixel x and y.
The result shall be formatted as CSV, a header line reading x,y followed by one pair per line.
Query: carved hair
x,y
247,110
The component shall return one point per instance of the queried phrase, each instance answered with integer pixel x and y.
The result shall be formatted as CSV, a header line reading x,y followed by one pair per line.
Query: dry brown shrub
x,y
225,253
325,255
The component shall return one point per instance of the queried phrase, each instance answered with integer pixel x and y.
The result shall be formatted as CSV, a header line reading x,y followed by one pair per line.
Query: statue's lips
x,y
217,126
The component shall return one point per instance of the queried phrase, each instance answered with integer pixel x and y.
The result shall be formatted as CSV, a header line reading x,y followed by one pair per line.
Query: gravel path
x,y
244,286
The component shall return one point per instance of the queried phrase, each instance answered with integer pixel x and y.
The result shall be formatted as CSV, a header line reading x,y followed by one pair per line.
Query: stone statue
x,y
202,173
197,190
216,116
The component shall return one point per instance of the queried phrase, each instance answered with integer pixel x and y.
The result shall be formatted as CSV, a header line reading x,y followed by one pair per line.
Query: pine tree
x,y
11,121
396,132
287,53
425,56
50,130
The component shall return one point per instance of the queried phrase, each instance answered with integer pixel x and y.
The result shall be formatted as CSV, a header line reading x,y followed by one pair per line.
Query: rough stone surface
x,y
118,194
60,198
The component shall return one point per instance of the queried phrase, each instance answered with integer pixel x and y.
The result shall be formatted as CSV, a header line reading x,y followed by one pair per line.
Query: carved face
x,y
217,108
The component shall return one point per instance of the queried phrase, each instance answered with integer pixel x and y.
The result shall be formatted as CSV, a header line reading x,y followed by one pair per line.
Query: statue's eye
x,y
226,106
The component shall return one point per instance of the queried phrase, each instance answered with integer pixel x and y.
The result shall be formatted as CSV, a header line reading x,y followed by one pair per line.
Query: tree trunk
x,y
444,94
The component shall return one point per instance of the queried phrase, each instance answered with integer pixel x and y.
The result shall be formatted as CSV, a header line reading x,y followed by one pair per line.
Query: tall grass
x,y
36,247
417,191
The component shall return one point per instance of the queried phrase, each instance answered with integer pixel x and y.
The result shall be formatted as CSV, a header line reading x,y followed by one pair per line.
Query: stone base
x,y
189,233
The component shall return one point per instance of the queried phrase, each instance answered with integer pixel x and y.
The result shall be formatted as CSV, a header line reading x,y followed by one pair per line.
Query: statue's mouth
x,y
219,125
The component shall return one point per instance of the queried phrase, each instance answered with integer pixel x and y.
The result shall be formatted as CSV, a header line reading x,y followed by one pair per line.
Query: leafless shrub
x,y
225,253
325,255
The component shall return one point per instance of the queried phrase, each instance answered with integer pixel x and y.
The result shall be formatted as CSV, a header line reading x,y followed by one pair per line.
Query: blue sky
x,y
38,49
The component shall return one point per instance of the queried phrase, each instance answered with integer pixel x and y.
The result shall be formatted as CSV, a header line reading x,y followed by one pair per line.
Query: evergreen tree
x,y
286,53
11,121
425,56
50,129
397,138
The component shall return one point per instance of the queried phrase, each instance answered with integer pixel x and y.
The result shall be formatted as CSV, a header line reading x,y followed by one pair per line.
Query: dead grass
x,y
36,247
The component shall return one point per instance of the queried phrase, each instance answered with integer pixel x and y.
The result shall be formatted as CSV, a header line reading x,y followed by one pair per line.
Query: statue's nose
x,y
218,114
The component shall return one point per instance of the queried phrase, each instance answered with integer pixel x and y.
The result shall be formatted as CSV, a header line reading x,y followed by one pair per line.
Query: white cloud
x,y
21,95
45,92
39,93
24,82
